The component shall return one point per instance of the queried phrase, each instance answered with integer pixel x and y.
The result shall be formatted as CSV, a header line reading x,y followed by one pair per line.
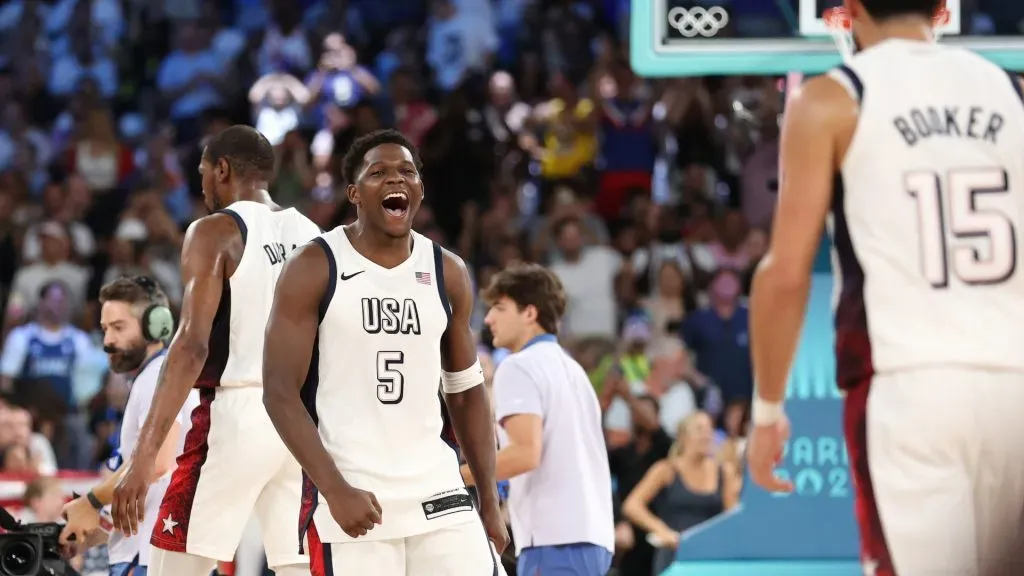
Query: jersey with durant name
x,y
236,337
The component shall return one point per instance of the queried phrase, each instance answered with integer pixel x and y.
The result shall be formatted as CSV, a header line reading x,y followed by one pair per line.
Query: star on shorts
x,y
169,524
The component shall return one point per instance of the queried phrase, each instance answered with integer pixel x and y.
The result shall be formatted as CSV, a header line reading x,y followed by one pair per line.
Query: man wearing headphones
x,y
136,323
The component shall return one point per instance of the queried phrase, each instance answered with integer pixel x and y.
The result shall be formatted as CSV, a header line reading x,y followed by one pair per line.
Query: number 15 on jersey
x,y
957,214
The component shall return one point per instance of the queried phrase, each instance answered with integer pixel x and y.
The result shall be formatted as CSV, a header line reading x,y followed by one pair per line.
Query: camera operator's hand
x,y
82,519
355,510
129,504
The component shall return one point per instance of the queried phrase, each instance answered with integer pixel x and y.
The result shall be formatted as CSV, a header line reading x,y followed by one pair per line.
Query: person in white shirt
x,y
458,44
136,323
588,274
552,444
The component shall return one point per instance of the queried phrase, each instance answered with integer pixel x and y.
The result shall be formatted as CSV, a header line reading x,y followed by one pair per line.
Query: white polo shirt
x,y
567,499
125,548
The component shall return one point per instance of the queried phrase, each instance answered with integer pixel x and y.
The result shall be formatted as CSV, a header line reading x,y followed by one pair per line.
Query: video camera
x,y
31,549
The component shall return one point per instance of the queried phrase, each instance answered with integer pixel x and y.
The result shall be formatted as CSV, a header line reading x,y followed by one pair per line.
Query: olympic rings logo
x,y
698,21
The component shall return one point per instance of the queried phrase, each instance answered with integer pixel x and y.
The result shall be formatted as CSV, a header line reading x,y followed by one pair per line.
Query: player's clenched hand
x,y
355,510
128,506
764,452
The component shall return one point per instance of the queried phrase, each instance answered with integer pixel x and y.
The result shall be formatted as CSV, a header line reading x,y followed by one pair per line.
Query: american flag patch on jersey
x,y
423,278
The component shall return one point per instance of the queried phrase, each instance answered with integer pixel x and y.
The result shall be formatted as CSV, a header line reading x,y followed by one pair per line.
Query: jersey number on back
x,y
391,383
963,227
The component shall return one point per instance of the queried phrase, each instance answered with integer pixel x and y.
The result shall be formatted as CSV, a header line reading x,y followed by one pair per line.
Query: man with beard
x,y
136,323
234,464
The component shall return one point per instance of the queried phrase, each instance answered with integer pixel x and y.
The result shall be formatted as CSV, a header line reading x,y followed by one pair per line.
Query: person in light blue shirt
x,y
552,444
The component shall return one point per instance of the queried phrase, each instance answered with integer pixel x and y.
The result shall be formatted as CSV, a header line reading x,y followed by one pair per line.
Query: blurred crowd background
x,y
651,200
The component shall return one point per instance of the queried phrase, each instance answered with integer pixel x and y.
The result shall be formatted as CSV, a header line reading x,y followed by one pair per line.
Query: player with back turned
x,y
367,320
233,464
917,150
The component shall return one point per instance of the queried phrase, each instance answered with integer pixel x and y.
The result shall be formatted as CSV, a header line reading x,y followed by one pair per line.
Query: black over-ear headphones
x,y
157,321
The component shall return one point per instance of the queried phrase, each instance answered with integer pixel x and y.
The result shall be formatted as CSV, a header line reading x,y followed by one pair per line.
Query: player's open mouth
x,y
396,204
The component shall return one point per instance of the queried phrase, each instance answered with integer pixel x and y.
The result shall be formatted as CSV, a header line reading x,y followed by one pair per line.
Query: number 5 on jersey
x,y
391,383
950,216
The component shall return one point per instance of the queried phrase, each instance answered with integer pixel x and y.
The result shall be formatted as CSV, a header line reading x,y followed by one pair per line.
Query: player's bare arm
x,y
819,121
212,248
470,408
288,348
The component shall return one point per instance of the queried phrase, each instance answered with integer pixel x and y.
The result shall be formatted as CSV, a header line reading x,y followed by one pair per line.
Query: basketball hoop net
x,y
841,27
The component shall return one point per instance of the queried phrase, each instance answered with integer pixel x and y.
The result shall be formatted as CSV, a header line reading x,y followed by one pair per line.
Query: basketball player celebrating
x,y
136,322
928,142
234,464
366,320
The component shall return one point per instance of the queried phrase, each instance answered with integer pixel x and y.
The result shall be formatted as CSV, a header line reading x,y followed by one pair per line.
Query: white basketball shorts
x,y
938,459
234,466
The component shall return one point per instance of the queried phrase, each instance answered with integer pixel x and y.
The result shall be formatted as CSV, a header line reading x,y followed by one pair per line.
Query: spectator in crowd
x,y
96,154
649,444
191,80
588,274
459,45
47,357
44,498
686,488
718,335
58,206
55,265
277,101
16,422
84,58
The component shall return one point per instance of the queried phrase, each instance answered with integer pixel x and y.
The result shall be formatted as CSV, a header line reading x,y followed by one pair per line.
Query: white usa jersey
x,y
373,389
927,219
236,338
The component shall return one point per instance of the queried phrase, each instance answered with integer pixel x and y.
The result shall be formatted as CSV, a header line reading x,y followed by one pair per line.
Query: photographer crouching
x,y
136,323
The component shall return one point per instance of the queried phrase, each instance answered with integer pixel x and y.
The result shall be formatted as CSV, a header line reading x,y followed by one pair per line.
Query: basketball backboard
x,y
695,38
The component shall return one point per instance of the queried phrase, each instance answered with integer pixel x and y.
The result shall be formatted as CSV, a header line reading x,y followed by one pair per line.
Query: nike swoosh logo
x,y
350,276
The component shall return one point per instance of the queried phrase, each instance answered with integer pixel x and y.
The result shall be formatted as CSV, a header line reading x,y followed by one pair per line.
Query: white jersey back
x,y
927,220
236,340
373,389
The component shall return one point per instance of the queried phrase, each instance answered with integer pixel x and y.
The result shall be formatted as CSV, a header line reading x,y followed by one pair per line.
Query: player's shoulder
x,y
215,227
824,102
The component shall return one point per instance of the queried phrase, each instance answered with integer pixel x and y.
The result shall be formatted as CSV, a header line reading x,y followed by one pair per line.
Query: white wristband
x,y
765,413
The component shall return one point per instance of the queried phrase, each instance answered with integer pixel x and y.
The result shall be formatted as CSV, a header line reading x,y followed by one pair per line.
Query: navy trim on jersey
x,y
1015,81
439,272
238,220
858,86
332,277
310,494
328,560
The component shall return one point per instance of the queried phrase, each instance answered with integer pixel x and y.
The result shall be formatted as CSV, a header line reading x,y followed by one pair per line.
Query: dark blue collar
x,y
540,338
147,362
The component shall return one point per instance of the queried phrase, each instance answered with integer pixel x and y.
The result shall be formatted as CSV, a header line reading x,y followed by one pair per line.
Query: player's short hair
x,y
882,9
248,152
139,293
356,154
530,285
